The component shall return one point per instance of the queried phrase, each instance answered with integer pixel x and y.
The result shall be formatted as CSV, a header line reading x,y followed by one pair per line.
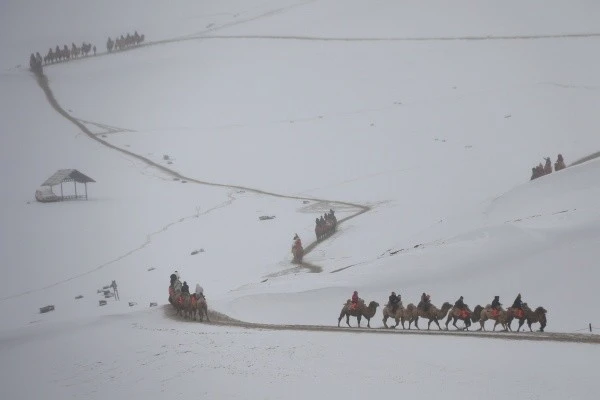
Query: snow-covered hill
x,y
430,114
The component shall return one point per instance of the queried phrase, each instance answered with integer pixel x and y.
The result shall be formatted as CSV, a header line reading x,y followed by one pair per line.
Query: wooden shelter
x,y
45,193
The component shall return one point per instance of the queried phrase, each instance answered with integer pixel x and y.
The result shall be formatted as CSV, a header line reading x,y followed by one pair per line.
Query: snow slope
x,y
436,135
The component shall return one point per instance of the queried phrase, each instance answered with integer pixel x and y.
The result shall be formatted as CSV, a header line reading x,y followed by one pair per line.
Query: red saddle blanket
x,y
518,313
495,313
464,314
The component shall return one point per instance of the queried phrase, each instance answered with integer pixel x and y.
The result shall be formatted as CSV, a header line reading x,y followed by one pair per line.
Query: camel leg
x,y
482,327
448,321
358,317
529,323
348,320
397,323
521,322
454,323
385,317
368,322
417,323
340,318
437,323
495,323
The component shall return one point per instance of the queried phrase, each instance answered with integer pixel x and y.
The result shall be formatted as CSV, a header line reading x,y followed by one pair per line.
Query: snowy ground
x,y
386,105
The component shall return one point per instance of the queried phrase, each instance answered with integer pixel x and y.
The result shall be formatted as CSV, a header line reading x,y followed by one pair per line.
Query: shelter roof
x,y
67,175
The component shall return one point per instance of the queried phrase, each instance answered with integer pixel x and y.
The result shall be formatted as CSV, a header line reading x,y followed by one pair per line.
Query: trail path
x,y
219,319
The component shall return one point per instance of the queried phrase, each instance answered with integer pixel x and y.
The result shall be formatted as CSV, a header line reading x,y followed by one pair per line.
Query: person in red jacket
x,y
354,304
297,242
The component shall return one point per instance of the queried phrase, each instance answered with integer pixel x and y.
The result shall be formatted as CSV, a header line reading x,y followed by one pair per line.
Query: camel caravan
x,y
67,53
394,309
186,304
35,63
125,42
325,226
546,169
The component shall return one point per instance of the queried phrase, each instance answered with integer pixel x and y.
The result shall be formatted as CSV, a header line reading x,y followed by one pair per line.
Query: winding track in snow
x,y
42,81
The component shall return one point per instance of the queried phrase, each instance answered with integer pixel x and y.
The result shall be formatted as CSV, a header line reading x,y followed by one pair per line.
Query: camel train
x,y
394,309
125,42
546,169
67,53
325,226
186,304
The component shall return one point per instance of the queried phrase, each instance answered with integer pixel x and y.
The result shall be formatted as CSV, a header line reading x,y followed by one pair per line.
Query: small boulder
x,y
46,309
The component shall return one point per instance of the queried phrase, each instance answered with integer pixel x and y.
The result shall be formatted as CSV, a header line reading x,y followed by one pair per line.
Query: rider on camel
x,y
518,303
394,301
548,166
355,299
460,304
496,303
297,241
199,291
185,288
425,301
560,163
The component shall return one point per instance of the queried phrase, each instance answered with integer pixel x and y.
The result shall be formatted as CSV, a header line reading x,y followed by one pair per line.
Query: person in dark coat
x,y
518,303
548,166
560,163
185,288
394,301
496,303
460,304
425,301
173,279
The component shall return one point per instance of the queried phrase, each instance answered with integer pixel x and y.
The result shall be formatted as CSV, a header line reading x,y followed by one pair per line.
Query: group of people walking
x,y
546,169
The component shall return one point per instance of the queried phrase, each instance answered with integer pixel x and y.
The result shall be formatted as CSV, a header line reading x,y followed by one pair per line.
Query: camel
x,y
181,304
191,307
515,313
400,315
500,317
202,308
361,311
460,314
532,317
433,314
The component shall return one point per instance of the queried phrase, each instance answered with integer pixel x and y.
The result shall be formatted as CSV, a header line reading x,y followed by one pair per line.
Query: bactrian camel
x,y
360,311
